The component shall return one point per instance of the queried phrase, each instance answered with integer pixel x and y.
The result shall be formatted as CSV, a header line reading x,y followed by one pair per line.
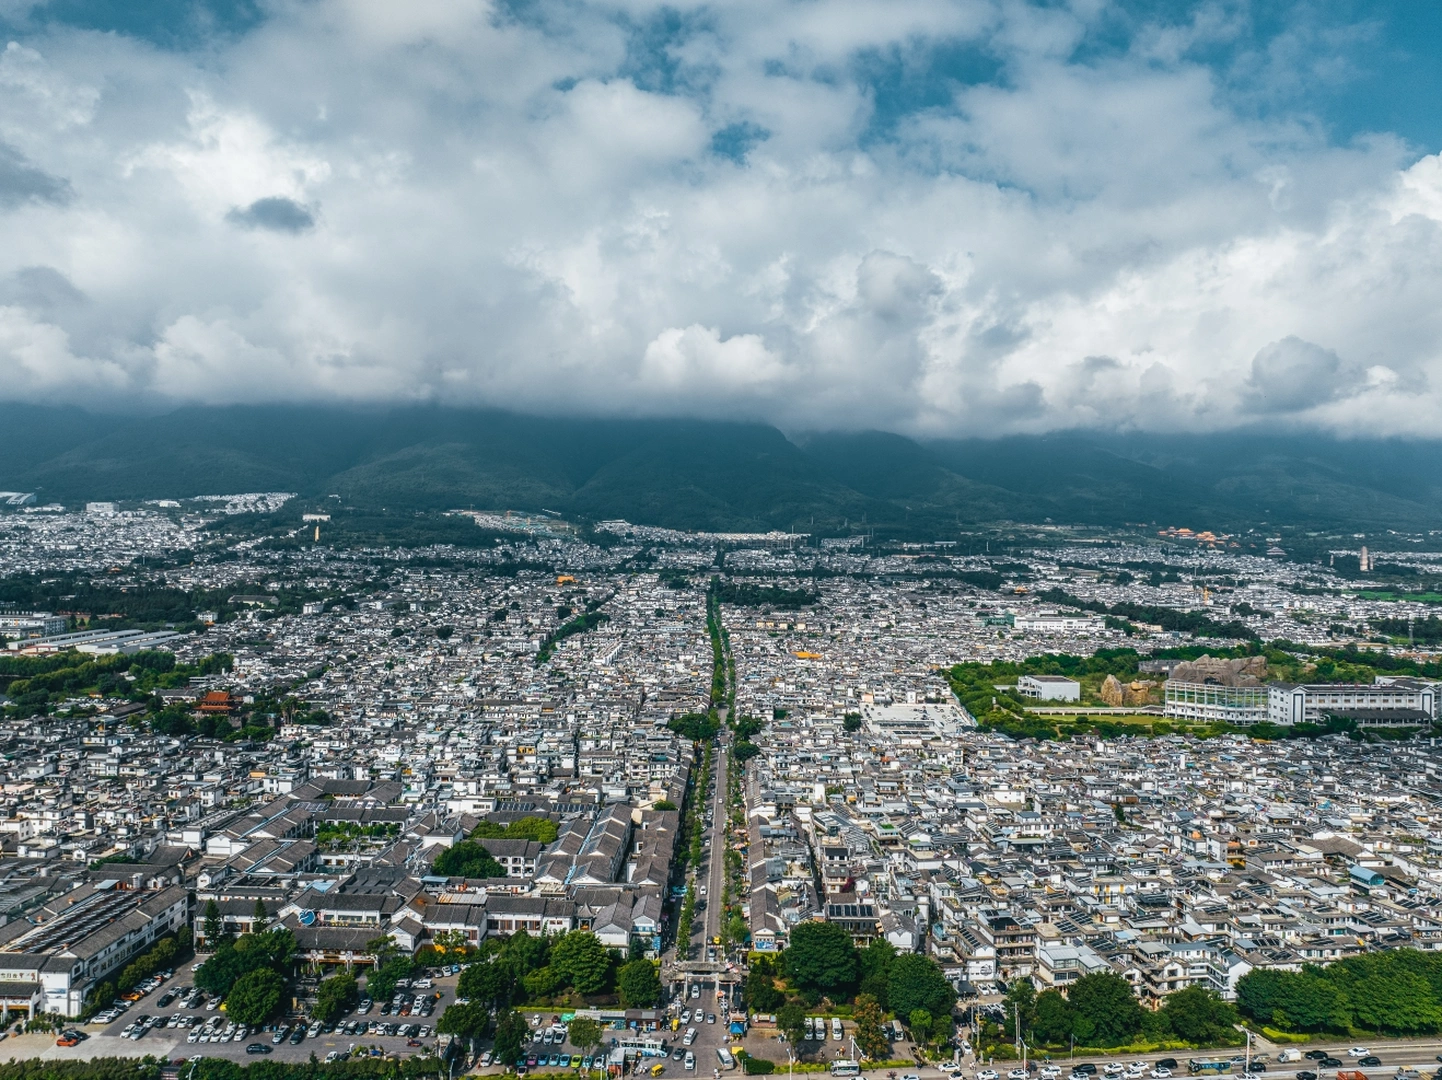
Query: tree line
x,y
504,972
1101,1010
1396,992
822,963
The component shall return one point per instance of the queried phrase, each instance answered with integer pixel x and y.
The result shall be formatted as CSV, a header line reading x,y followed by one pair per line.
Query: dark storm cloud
x,y
274,213
21,182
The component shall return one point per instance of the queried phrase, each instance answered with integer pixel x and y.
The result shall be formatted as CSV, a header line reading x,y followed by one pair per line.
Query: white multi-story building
x,y
1048,687
1058,623
1395,703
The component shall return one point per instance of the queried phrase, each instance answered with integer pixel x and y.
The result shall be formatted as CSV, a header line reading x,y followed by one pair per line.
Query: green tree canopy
x,y
871,1040
1399,1003
274,949
762,995
542,830
335,997
582,961
1054,1018
1200,1016
584,1034
876,960
492,983
1106,1010
382,978
791,1019
1020,1004
511,1035
821,959
639,984
916,982
467,859
214,925
465,1021
255,997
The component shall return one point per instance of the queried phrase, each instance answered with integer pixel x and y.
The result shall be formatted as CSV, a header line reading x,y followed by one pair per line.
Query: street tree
x,y
1020,1003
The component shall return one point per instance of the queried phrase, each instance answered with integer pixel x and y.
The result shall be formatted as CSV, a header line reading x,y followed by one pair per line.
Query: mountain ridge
x,y
707,474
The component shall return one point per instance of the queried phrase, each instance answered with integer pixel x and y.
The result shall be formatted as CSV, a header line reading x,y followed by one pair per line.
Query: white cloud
x,y
518,205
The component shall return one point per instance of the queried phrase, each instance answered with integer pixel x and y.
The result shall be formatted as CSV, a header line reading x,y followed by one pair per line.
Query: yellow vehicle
x,y
716,940
657,1069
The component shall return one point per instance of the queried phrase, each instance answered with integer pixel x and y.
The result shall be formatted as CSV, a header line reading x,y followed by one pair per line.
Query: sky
x,y
936,218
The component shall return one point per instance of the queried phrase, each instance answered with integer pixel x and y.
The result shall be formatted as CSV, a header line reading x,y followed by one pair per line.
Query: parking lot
x,y
177,1021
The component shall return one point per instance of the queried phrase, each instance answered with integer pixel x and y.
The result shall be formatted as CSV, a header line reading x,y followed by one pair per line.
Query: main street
x,y
716,830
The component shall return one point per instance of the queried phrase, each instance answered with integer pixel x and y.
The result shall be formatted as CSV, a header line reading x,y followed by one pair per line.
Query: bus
x,y
639,1046
1209,1066
846,1068
728,1062
836,1029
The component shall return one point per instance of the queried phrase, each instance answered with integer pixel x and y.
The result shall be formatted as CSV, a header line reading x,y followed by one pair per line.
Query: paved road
x,y
715,840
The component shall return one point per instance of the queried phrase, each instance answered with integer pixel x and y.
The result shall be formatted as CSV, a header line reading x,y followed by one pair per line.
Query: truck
x,y
1351,1074
1289,1055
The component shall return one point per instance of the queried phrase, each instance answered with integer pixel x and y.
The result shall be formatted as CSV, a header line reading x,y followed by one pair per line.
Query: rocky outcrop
x,y
1241,671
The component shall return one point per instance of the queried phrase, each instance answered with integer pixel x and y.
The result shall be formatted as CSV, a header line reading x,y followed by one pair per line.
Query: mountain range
x,y
695,474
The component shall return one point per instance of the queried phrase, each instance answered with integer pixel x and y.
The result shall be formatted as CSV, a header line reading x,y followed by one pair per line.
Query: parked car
x,y
257,1048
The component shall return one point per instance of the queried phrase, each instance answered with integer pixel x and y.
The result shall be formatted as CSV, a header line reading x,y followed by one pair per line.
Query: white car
x,y
987,1074
1050,1072
1136,1068
1160,1073
1113,1068
1016,1074
1358,1051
